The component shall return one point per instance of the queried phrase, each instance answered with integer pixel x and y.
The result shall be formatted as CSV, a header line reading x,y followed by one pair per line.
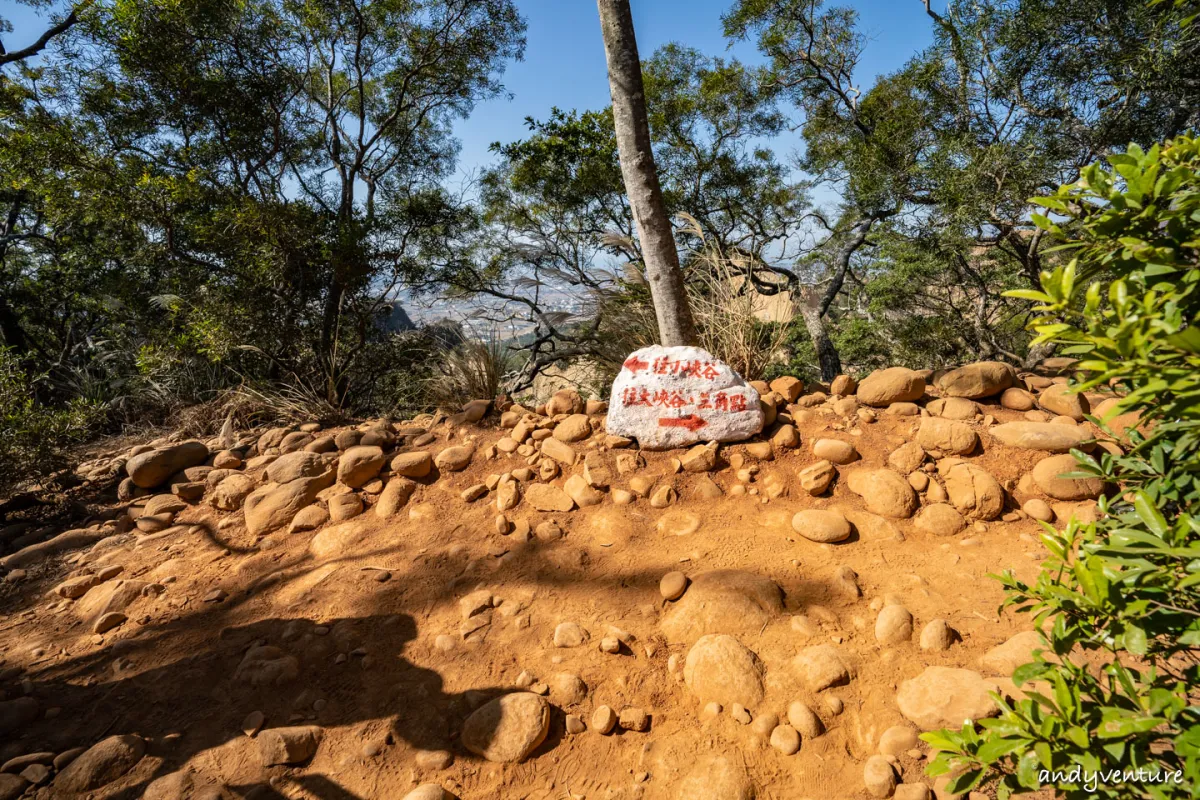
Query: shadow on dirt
x,y
347,672
186,686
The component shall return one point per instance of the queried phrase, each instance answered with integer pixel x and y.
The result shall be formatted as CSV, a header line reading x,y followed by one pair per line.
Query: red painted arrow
x,y
691,422
633,364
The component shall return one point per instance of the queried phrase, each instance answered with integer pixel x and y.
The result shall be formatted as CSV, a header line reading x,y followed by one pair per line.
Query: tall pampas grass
x,y
725,305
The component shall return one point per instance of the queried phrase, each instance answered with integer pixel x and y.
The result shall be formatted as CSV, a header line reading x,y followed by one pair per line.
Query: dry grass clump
x,y
725,307
472,370
250,406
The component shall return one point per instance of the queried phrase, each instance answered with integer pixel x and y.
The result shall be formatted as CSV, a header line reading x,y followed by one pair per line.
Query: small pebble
x,y
604,719
672,585
785,739
633,718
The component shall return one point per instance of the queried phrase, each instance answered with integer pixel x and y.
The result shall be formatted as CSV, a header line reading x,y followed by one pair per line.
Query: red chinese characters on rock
x,y
684,368
663,398
693,368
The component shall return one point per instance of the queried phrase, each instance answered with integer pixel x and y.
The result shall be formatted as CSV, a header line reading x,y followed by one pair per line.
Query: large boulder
x,y
232,491
67,540
843,386
788,387
272,438
508,728
1050,437
152,468
181,785
416,464
428,791
101,764
298,464
940,519
293,745
1007,656
974,492
723,601
907,458
565,401
879,777
821,525
360,464
893,625
1056,365
548,497
575,428
13,786
272,507
719,668
163,504
953,408
1120,423
1048,475
455,459
975,381
820,666
1017,399
946,436
295,441
1061,399
883,492
944,697
676,396
267,665
894,385
835,451
112,597
394,496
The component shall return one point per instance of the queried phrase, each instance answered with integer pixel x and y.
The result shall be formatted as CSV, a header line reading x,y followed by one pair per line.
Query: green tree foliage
x,y
262,175
1119,599
709,118
938,160
33,437
196,195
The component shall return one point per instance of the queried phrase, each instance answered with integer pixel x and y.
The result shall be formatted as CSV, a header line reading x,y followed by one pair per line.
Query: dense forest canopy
x,y
227,193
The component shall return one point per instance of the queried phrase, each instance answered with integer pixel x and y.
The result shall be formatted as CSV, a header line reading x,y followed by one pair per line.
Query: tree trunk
x,y
675,323
342,264
827,354
813,306
327,355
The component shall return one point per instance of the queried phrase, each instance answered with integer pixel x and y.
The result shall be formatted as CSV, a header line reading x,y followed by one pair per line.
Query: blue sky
x,y
564,58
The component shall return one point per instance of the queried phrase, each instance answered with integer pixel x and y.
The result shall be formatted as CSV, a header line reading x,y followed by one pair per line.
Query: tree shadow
x,y
351,670
345,672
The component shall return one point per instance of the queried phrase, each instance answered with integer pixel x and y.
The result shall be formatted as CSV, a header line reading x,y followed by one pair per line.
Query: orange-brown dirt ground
x,y
361,613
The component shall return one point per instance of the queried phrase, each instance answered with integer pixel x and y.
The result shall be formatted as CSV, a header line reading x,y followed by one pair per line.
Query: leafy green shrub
x,y
32,436
1118,599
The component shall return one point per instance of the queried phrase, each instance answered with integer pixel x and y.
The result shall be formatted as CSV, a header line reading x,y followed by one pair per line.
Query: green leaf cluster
x,y
1118,600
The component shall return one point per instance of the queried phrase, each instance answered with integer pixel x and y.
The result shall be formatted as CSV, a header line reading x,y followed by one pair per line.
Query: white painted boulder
x,y
669,397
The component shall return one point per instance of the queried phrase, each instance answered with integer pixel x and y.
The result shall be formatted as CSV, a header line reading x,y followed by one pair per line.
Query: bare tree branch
x,y
43,40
